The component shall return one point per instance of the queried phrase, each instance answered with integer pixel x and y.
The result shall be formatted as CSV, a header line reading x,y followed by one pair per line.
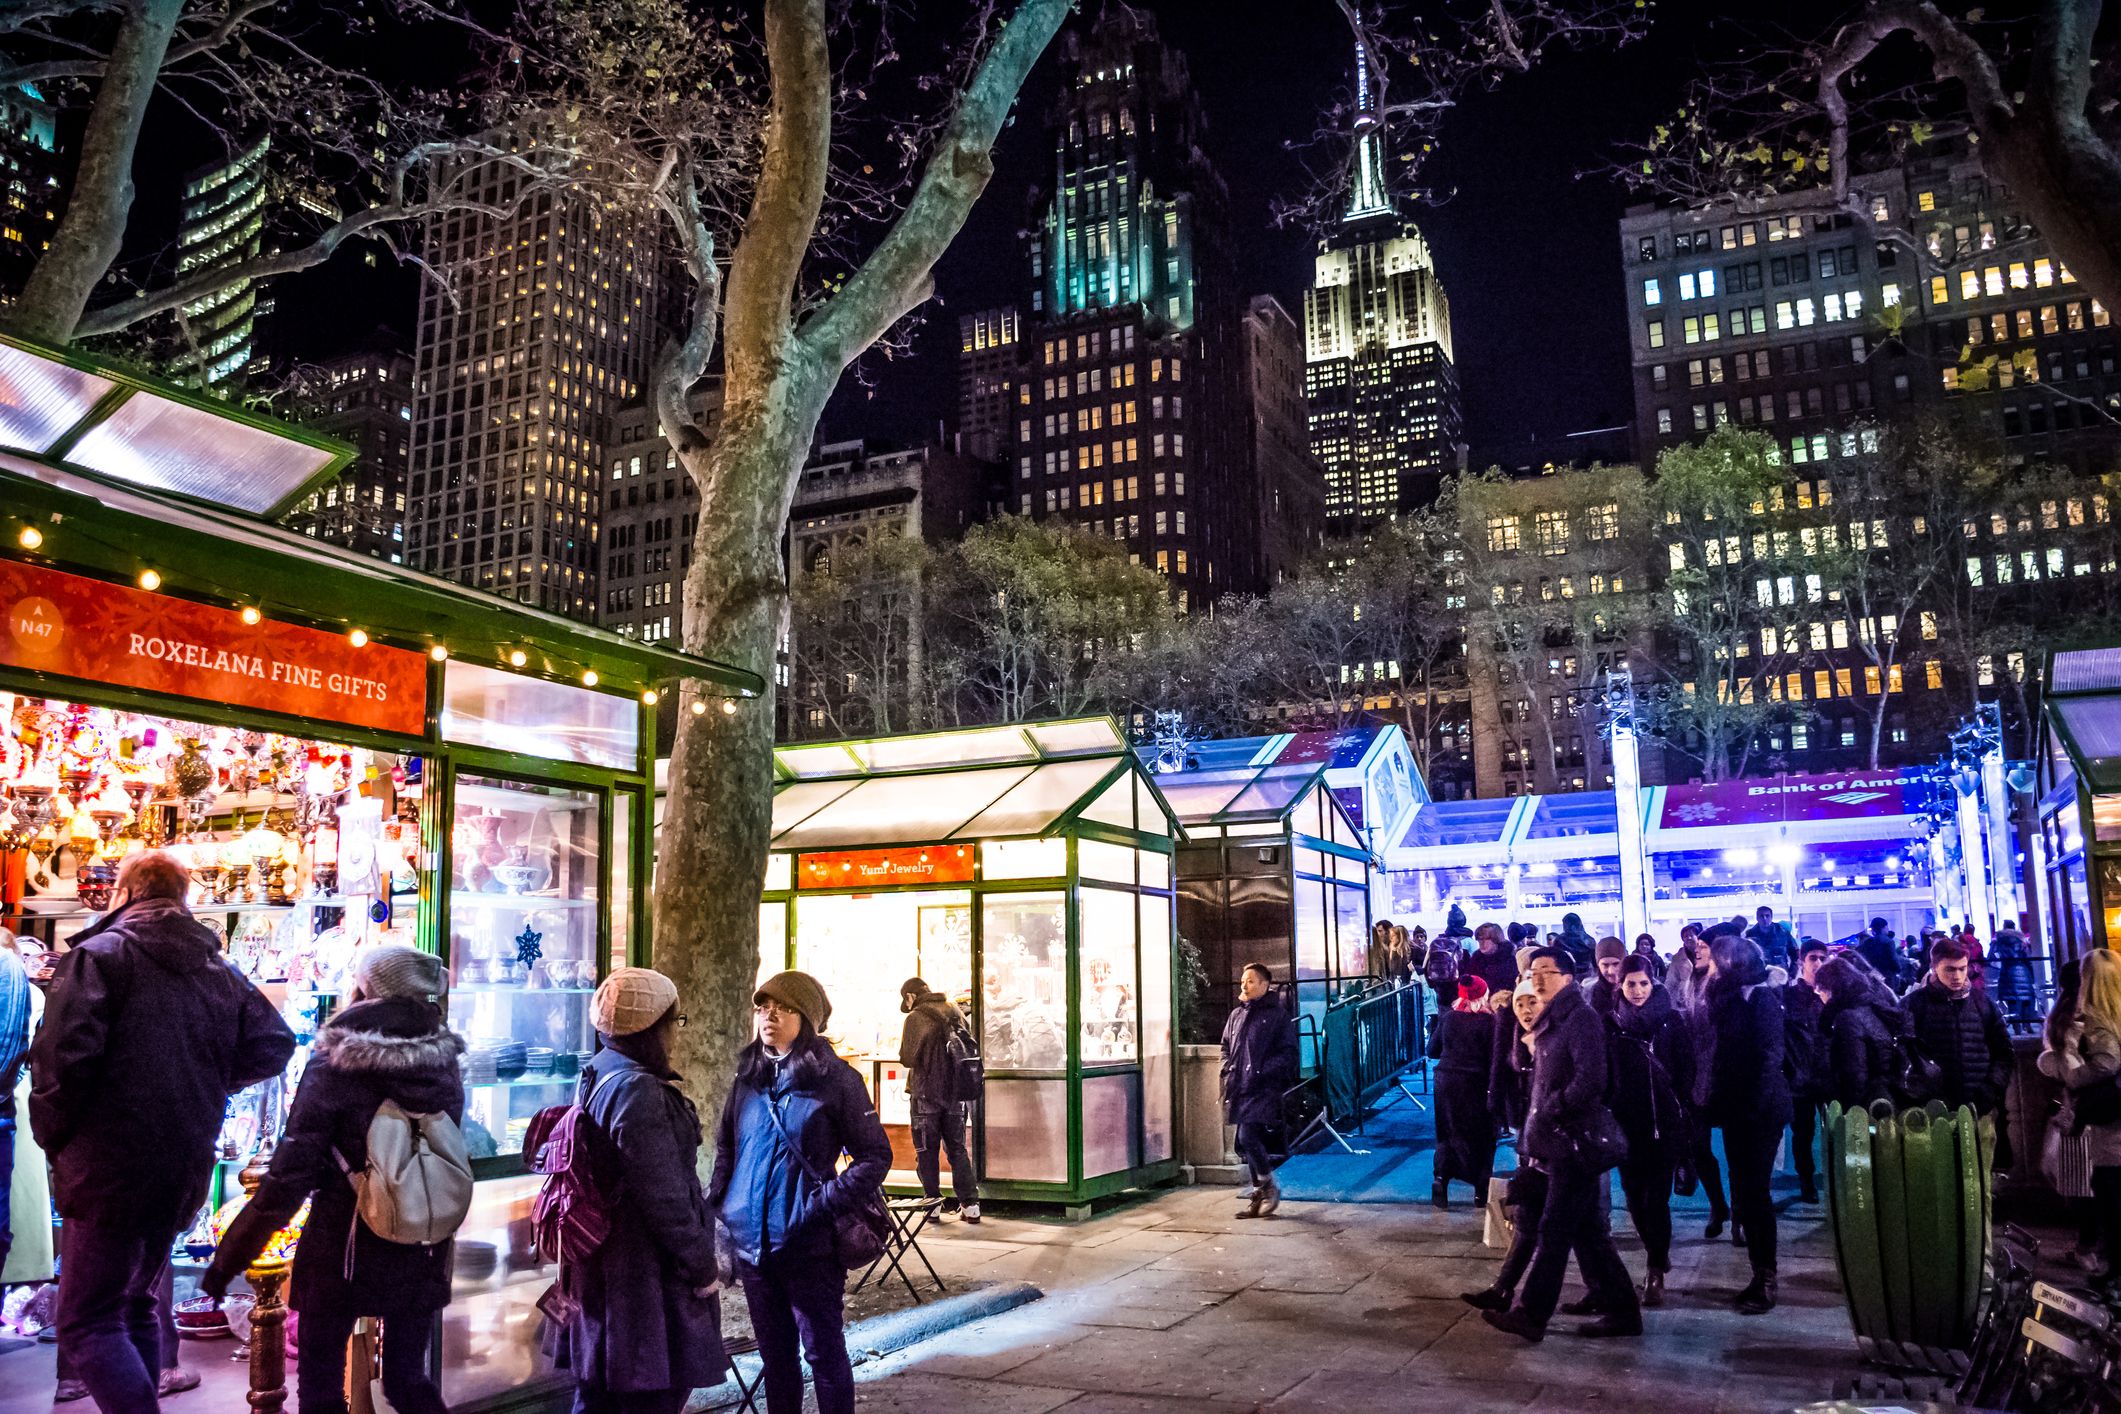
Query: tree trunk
x,y
2069,182
90,234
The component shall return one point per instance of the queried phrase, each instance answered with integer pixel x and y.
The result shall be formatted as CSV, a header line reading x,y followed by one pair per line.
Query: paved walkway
x,y
1170,1305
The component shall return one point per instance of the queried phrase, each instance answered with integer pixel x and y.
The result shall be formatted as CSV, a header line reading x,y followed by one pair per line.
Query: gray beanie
x,y
799,992
395,970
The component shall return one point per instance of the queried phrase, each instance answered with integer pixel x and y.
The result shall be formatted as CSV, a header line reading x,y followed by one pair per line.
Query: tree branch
x,y
679,371
899,276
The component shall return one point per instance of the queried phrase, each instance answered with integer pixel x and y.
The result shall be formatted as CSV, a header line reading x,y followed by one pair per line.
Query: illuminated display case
x,y
1024,872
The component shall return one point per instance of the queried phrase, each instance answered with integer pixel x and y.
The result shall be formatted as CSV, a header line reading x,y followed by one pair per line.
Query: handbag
x,y
860,1234
1595,1142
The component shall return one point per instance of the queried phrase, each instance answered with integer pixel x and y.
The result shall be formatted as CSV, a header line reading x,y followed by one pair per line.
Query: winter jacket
x,y
1879,950
2090,1053
1859,1035
1804,1044
397,1049
1498,968
1651,1053
1463,1042
1776,943
771,1207
1747,1085
640,1327
1509,1073
146,1034
1603,996
1966,1037
923,1048
1568,1077
1579,945
1684,981
1259,1060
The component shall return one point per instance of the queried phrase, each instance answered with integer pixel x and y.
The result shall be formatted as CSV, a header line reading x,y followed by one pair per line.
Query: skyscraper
x,y
29,184
364,398
1386,420
990,351
222,226
547,330
1292,485
1130,416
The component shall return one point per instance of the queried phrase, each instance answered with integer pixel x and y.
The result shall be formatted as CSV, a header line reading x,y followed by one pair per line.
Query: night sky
x,y
1527,249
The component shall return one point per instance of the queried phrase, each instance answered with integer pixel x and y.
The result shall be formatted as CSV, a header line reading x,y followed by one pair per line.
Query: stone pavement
x,y
1171,1305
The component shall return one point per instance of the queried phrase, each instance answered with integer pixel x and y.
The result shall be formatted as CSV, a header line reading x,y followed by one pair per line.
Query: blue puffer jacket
x,y
769,1204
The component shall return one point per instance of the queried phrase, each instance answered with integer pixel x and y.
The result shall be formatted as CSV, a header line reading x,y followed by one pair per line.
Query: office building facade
x,y
1291,499
364,399
989,363
30,190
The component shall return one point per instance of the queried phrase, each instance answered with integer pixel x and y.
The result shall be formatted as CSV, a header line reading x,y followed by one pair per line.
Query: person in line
x,y
2065,1150
1858,1018
1687,972
1959,1027
2011,957
387,1043
1686,980
1491,960
1877,947
1380,945
1749,1099
1646,946
1440,963
2088,1055
1577,940
1602,990
1259,1064
794,1096
1653,1060
1462,1043
147,1033
1804,1060
1516,1012
1568,1099
932,1090
1776,943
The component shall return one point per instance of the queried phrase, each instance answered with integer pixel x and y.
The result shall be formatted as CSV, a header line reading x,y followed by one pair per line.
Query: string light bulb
x,y
589,677
650,697
438,653
250,614
699,708
150,580
358,638
729,706
30,537
517,657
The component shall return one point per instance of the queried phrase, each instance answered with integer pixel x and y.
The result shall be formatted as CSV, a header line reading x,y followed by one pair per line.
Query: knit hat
x,y
1472,989
914,987
1525,988
799,991
1524,960
631,1000
1610,948
394,970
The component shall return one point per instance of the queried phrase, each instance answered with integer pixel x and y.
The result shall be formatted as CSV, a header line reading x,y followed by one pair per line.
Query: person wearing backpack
x,y
1858,1019
386,1047
936,1050
794,1109
1652,1063
644,1322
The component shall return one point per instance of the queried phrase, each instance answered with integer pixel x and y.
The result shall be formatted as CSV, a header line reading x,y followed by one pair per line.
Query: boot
x,y
1759,1298
1251,1208
1626,1323
1270,1199
1737,1233
1517,1323
1488,1298
1592,1304
1715,1228
1653,1290
1440,1195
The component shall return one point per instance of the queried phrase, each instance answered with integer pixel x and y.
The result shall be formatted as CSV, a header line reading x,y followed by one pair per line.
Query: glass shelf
x,y
502,987
526,902
521,1082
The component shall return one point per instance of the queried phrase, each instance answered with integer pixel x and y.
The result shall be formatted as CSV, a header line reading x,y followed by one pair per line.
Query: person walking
x,y
1877,947
1804,1061
1749,1098
1686,980
147,1033
1653,1066
1958,1026
1602,990
1526,1196
1568,1113
2086,1061
1858,1019
794,1109
1492,961
1776,943
932,1080
1259,1064
2065,1150
1462,1043
387,1043
1577,940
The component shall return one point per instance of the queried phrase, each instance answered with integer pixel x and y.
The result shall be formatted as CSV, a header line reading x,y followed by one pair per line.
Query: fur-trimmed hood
x,y
391,1036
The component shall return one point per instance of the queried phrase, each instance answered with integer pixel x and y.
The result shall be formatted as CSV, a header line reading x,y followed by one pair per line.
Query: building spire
x,y
1367,193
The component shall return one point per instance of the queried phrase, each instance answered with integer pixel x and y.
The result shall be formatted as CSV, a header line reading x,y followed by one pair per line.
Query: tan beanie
x,y
799,992
632,999
395,970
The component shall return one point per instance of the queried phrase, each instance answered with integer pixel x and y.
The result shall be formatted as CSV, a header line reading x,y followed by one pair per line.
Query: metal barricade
x,y
1370,1039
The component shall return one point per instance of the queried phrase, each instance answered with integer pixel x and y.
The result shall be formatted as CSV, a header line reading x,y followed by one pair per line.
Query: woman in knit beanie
x,y
1462,1043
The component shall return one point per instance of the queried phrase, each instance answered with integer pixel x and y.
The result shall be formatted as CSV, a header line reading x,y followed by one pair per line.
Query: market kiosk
x,y
2078,840
1025,872
348,753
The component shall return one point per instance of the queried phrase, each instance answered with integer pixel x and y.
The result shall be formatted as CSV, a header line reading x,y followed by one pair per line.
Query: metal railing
x,y
1369,1040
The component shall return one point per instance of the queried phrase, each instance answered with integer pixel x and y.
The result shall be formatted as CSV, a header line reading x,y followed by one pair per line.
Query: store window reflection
x,y
1023,1014
1110,984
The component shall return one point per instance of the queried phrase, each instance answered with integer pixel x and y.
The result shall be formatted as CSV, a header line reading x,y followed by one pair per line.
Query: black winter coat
x,y
640,1328
391,1049
1747,1086
1966,1036
1879,950
1568,1077
1859,1047
1498,968
1804,1044
1603,996
146,1034
1259,1060
1509,1073
1652,1056
769,1204
923,1048
1463,1042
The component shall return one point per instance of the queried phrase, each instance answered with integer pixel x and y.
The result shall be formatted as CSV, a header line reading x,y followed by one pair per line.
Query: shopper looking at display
x,y
933,1079
146,1035
1259,1063
387,1043
794,1109
14,1049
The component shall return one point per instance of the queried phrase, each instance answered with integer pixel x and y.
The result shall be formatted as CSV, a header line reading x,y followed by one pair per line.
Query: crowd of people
x,y
1605,1056
147,1032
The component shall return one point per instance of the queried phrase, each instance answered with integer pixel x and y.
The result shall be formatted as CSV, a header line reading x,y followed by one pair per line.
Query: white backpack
x,y
416,1187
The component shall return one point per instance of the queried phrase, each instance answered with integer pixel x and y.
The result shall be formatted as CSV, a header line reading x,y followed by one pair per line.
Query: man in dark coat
x,y
147,1034
1259,1063
1804,1061
931,1089
1959,1028
1878,948
1602,991
1568,1099
1776,943
387,1043
1748,1098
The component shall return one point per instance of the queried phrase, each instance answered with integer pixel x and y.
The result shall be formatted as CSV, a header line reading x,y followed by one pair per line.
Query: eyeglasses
x,y
773,1009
